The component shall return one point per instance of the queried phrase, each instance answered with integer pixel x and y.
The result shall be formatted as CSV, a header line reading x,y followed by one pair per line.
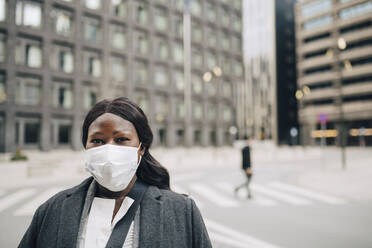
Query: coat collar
x,y
70,216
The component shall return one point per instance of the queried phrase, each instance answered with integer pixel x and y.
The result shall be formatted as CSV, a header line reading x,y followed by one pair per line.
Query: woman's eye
x,y
121,139
97,141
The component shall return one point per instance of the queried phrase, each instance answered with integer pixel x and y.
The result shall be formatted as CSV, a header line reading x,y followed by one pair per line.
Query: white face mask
x,y
112,166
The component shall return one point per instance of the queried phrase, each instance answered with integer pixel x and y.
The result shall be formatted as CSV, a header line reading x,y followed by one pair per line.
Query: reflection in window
x,y
93,4
2,47
119,8
356,10
3,8
118,39
27,91
2,88
117,68
316,7
178,80
63,23
161,76
178,53
318,22
161,21
28,52
62,95
28,14
141,72
141,13
92,29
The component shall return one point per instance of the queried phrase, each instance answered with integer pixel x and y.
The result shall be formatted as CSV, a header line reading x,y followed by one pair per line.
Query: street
x,y
280,214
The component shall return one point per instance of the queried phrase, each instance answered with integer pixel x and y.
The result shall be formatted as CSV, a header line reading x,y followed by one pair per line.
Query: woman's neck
x,y
102,192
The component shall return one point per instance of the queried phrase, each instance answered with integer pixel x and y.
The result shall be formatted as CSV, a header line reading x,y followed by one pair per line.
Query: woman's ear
x,y
142,149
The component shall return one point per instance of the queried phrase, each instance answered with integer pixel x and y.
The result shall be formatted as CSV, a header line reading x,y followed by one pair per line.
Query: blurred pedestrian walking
x,y
246,167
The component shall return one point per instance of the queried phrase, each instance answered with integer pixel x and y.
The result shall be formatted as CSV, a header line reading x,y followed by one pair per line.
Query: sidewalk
x,y
312,167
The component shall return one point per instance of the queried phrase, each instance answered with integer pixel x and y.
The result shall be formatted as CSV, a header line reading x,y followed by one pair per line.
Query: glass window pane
x,y
178,26
161,76
93,4
31,15
33,56
178,53
180,109
64,134
63,23
197,110
2,47
117,68
195,7
118,36
141,72
119,7
141,13
197,84
178,79
3,8
32,132
2,88
92,29
161,20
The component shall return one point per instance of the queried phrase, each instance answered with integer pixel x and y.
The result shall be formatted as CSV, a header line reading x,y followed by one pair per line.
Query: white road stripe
x,y
308,193
13,198
213,196
29,208
280,195
176,188
259,200
232,234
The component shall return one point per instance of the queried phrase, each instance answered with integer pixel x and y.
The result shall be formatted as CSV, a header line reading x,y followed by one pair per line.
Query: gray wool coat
x,y
167,219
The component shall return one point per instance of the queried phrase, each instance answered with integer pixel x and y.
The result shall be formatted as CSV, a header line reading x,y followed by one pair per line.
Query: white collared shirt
x,y
99,226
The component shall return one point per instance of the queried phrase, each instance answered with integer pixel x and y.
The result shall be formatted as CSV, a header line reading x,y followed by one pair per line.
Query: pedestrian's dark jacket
x,y
246,155
167,219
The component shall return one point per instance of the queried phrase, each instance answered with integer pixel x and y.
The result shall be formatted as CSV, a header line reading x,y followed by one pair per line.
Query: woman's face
x,y
112,129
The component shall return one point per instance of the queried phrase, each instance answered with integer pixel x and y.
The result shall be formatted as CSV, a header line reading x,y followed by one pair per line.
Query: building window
x,y
2,47
31,133
318,22
92,29
141,72
180,109
196,57
197,84
62,59
237,23
225,62
226,113
92,63
28,13
237,4
62,95
211,37
212,88
211,11
28,91
225,17
212,112
178,26
178,53
196,32
211,60
2,88
179,4
141,12
236,44
119,8
142,42
118,36
93,4
161,20
197,110
238,68
161,108
196,8
316,7
161,76
63,22
356,10
227,90
117,68
28,52
178,80
64,134
142,101
90,97
225,41
3,8
161,48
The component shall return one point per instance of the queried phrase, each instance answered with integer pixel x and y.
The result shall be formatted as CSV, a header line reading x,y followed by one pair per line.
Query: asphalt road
x,y
280,214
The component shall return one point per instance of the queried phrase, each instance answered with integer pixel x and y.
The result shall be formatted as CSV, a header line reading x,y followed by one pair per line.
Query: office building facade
x,y
59,57
334,54
269,55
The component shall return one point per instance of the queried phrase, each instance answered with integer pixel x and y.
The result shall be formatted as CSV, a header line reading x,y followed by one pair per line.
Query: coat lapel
x,y
70,216
151,219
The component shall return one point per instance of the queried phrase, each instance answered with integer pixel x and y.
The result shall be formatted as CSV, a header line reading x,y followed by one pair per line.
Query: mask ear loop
x,y
139,148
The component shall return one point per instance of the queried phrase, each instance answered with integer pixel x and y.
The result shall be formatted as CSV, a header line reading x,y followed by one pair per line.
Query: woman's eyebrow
x,y
125,131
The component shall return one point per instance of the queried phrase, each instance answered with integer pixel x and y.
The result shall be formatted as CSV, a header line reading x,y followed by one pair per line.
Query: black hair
x,y
149,170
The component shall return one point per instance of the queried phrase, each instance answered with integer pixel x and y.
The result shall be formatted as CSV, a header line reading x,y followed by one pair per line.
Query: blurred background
x,y
294,76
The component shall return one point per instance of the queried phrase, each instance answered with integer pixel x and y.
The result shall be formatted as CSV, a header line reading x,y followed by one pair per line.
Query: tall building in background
x,y
59,57
334,52
269,54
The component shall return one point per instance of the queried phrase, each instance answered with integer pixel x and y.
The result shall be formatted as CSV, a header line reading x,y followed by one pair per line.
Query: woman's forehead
x,y
111,121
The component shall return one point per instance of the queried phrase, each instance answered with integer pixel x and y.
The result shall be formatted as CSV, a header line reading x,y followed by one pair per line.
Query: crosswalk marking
x,y
238,236
15,197
308,193
180,190
259,200
213,196
280,195
30,207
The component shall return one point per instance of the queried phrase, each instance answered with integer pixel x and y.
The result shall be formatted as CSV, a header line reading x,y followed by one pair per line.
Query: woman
x,y
127,202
